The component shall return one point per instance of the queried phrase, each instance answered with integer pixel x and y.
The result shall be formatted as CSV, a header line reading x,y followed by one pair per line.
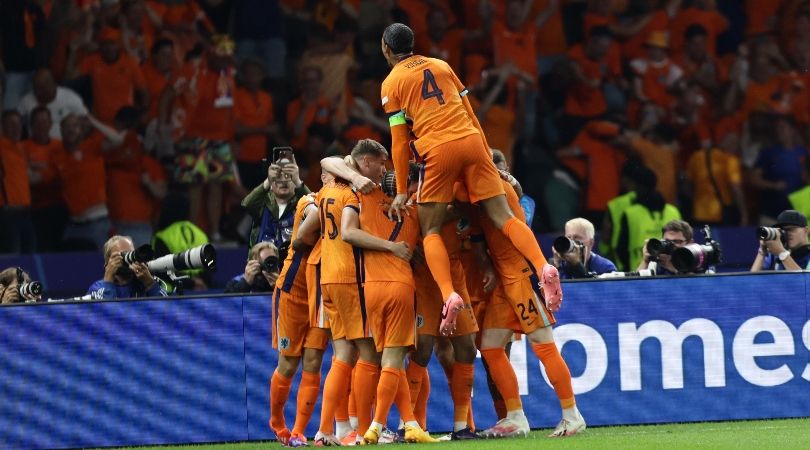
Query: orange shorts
x,y
517,307
318,318
291,330
465,159
346,307
391,314
429,303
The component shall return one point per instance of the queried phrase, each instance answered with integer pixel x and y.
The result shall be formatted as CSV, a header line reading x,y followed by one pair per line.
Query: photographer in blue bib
x,y
574,255
785,245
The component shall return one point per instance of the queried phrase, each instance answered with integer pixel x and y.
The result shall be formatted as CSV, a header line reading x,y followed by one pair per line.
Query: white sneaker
x,y
568,427
446,437
508,427
325,440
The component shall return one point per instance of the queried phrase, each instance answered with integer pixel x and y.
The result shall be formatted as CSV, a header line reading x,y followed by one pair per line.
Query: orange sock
x,y
279,391
523,239
420,408
335,391
364,387
403,399
308,392
386,392
504,377
439,263
461,388
557,371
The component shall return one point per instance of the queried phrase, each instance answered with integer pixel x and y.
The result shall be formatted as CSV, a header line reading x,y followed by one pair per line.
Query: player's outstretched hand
x,y
401,250
398,207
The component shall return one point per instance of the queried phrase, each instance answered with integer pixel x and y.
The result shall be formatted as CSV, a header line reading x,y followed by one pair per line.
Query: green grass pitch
x,y
759,434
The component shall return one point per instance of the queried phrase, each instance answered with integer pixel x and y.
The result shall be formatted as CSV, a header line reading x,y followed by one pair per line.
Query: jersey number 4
x,y
430,88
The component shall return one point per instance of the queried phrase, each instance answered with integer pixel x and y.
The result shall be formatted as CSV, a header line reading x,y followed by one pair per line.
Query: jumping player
x,y
428,94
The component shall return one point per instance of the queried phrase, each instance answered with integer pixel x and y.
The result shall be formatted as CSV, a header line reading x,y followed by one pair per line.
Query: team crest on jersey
x,y
284,343
420,321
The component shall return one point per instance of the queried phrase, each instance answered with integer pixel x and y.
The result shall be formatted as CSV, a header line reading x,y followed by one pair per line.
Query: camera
x,y
769,234
698,257
30,290
656,247
565,245
270,264
200,257
142,254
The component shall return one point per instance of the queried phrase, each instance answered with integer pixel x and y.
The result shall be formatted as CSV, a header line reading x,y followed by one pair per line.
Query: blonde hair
x,y
585,224
108,246
256,250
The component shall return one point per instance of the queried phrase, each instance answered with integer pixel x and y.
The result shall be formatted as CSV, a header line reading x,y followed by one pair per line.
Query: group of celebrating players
x,y
383,273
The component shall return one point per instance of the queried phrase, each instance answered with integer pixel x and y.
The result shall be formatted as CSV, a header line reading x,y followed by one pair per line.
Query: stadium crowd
x,y
166,122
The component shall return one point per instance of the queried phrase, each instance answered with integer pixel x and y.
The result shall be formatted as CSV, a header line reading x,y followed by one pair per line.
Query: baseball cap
x,y
791,217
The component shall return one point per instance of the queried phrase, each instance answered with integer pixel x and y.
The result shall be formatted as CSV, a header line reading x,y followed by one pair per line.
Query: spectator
x,y
657,150
115,77
699,64
22,35
204,160
497,118
789,249
137,31
159,71
596,159
716,179
581,261
136,182
254,122
272,204
123,280
258,276
335,57
592,67
83,180
780,168
44,156
10,281
703,14
656,76
16,227
60,101
676,232
642,220
310,107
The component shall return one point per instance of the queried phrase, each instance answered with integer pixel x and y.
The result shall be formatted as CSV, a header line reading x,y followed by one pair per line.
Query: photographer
x,y
675,234
11,279
261,271
123,280
272,203
579,261
785,246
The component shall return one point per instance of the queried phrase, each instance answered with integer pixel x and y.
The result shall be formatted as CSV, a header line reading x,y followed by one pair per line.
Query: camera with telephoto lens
x,y
200,257
656,247
142,254
698,258
565,245
270,264
770,234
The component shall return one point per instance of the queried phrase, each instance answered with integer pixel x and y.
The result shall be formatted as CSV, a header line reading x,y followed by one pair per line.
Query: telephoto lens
x,y
30,290
565,245
270,264
142,254
767,233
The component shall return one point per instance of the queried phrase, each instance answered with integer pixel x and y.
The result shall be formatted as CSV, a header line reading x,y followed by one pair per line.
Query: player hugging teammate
x,y
385,280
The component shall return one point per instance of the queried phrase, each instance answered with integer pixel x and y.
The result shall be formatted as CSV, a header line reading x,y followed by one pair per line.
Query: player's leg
x,y
280,385
514,422
417,373
364,385
310,385
461,381
543,345
288,339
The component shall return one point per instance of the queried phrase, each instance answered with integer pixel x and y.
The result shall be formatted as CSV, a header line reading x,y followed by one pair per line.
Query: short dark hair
x,y
497,156
368,147
679,225
39,110
693,30
399,38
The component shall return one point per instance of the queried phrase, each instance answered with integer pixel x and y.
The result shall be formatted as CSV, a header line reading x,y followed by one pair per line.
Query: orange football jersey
x,y
293,275
338,257
429,93
381,265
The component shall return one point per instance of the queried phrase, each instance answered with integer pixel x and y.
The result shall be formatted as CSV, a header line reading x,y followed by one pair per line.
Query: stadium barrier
x,y
651,350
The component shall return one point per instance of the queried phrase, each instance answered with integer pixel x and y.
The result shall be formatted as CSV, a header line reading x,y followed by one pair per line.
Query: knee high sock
x,y
308,392
335,391
523,239
558,373
504,377
279,392
439,263
364,387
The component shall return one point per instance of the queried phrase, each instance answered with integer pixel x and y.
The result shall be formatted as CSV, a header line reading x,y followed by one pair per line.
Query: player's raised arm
x,y
309,230
345,168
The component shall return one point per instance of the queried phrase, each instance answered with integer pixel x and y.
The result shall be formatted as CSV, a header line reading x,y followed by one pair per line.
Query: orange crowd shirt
x,y
255,111
45,159
15,190
128,199
83,176
113,85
